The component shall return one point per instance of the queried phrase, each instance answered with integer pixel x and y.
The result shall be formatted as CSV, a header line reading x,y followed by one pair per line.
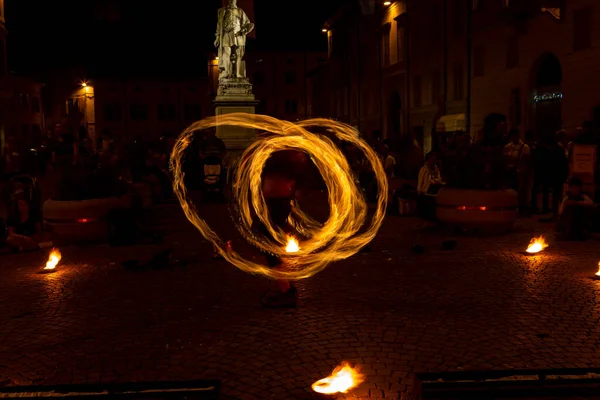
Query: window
x,y
291,106
36,133
290,78
2,59
24,101
459,17
478,61
167,112
35,104
582,29
72,106
512,51
138,112
459,83
436,87
436,32
113,112
417,91
192,112
385,44
400,48
259,78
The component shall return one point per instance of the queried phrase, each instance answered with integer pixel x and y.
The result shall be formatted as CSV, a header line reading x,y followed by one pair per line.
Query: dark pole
x,y
359,73
445,58
379,47
469,64
407,37
306,85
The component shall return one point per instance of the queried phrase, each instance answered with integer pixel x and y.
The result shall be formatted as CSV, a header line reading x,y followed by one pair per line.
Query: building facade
x,y
535,63
396,68
21,108
134,109
430,67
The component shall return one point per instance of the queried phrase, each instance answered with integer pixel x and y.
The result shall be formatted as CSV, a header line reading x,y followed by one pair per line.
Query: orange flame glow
x,y
536,245
342,379
54,259
598,273
292,245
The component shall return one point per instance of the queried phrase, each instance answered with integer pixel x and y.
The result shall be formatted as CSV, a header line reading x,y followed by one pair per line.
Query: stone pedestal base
x,y
235,137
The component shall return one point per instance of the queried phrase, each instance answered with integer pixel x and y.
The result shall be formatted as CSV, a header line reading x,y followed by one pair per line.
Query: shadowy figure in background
x,y
517,156
24,228
281,185
551,172
576,212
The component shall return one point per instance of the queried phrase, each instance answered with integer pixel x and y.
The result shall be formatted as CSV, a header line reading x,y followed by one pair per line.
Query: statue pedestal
x,y
235,96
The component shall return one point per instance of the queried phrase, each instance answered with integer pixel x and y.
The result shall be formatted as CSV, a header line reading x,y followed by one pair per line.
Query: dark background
x,y
141,36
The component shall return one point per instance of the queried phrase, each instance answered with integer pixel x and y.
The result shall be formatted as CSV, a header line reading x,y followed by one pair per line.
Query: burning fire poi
x,y
342,379
536,245
292,245
54,259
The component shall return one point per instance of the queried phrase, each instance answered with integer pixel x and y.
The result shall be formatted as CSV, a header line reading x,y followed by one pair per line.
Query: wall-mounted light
x,y
324,30
387,3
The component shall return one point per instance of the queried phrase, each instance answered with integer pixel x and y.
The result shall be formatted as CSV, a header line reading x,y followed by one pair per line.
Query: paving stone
x,y
482,306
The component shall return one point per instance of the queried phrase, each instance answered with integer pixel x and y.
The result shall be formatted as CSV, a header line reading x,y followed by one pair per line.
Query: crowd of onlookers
x,y
535,169
536,166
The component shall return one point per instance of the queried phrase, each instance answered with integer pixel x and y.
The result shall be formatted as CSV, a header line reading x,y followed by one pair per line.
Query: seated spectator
x,y
388,161
575,213
25,228
430,179
429,183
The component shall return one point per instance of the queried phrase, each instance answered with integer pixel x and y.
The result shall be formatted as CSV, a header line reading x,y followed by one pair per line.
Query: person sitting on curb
x,y
575,213
24,228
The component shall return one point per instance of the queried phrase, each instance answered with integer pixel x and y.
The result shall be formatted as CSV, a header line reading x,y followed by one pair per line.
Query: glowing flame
x,y
598,273
342,379
292,245
536,245
54,259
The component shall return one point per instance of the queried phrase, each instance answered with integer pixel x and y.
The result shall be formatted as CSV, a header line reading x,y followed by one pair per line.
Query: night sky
x,y
145,37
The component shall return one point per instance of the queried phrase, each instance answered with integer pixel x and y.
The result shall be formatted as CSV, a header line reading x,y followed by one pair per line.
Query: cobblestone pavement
x,y
482,306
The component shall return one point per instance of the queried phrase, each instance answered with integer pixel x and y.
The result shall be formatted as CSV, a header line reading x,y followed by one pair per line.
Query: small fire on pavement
x,y
598,273
292,245
53,260
536,245
342,379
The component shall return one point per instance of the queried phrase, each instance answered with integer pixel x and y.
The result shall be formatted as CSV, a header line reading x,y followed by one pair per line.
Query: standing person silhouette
x,y
282,179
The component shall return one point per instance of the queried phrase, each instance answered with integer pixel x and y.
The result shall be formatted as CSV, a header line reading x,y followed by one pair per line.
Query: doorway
x,y
546,81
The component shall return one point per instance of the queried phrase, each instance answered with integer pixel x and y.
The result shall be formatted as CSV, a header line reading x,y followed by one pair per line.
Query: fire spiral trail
x,y
336,239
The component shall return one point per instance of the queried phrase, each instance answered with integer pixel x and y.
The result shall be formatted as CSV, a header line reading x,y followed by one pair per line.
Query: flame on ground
x,y
598,273
292,245
536,245
54,259
342,379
